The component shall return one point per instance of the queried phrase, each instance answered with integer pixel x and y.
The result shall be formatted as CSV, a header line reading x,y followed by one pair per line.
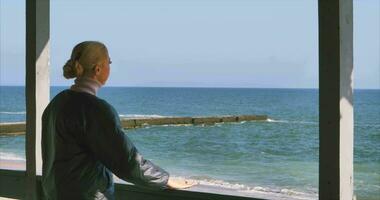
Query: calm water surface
x,y
276,156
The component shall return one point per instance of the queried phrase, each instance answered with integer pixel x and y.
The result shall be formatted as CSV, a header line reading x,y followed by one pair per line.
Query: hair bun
x,y
69,69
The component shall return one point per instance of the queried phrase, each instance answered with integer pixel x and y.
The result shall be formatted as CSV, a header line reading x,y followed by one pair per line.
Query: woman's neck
x,y
85,84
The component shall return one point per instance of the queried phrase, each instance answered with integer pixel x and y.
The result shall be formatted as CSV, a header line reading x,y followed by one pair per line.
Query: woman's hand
x,y
180,183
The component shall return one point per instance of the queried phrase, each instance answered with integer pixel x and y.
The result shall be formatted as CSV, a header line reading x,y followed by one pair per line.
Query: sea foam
x,y
141,116
251,191
11,156
13,113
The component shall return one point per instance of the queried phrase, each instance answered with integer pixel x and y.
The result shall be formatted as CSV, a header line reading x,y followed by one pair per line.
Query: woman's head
x,y
88,59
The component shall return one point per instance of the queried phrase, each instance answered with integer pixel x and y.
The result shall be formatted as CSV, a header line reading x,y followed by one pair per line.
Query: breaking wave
x,y
141,116
13,113
290,122
11,156
255,191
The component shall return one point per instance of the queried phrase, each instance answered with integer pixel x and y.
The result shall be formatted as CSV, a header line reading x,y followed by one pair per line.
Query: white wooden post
x,y
37,87
336,99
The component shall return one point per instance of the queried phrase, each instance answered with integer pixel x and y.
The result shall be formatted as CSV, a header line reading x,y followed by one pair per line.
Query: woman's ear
x,y
97,69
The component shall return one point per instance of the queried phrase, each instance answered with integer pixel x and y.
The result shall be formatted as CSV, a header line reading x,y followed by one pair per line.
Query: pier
x,y
18,128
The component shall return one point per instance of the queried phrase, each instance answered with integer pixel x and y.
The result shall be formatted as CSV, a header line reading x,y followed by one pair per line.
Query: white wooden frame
x,y
335,107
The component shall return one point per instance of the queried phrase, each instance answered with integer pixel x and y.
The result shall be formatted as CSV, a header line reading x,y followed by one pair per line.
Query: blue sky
x,y
194,43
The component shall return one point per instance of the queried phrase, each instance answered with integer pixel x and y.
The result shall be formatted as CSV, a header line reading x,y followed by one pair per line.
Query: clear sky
x,y
194,43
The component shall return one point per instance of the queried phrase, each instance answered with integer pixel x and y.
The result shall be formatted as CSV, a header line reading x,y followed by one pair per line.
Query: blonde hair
x,y
84,56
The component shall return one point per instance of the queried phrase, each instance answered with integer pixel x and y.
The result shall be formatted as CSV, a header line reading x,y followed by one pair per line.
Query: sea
x,y
278,156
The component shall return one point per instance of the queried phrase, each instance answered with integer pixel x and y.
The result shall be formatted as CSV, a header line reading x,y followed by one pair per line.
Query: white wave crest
x,y
290,122
11,156
277,121
281,193
13,113
366,125
141,116
174,125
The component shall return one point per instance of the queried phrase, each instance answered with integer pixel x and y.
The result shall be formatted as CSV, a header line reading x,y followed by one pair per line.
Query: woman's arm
x,y
108,143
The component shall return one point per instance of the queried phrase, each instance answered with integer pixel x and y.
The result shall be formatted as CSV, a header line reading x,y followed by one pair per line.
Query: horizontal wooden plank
x,y
12,184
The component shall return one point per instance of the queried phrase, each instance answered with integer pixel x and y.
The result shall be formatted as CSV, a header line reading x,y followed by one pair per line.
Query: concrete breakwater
x,y
18,128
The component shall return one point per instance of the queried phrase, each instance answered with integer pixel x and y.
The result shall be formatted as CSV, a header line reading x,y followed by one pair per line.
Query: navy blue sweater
x,y
83,144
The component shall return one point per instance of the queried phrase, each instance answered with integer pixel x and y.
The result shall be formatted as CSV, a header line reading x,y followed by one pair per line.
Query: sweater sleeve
x,y
108,143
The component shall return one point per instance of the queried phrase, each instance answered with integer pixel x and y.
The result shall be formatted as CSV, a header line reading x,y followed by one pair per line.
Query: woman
x,y
82,140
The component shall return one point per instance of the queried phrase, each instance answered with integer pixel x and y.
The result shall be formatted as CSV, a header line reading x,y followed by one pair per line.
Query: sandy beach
x,y
13,164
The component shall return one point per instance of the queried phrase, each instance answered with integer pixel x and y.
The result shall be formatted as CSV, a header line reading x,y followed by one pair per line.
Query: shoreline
x,y
13,164
203,186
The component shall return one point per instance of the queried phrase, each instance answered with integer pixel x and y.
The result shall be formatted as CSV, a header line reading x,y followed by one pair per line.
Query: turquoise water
x,y
276,156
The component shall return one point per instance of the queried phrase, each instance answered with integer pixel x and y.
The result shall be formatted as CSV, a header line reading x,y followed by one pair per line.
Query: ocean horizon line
x,y
199,87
